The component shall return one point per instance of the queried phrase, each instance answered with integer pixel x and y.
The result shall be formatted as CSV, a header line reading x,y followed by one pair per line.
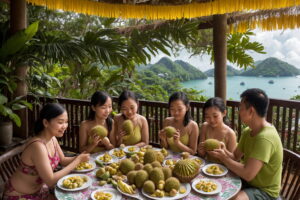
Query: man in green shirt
x,y
261,149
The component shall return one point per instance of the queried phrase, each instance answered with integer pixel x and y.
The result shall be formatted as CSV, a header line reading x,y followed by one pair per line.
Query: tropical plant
x,y
10,58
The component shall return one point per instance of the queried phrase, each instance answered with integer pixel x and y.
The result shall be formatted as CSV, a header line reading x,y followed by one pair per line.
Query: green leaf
x,y
15,118
3,99
18,41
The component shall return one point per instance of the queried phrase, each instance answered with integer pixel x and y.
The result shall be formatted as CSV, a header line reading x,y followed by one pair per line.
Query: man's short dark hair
x,y
256,98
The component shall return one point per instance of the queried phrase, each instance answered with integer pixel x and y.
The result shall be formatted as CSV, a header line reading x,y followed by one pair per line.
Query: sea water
x,y
282,88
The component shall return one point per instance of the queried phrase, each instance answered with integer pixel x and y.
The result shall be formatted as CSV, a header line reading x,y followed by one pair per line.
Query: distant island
x,y
168,69
270,67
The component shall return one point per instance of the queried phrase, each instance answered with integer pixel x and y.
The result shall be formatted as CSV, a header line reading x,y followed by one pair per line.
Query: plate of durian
x,y
215,170
84,167
106,194
74,182
105,158
117,153
131,149
172,189
206,186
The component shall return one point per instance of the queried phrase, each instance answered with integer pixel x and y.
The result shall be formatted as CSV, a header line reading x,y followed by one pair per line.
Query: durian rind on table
x,y
99,130
131,176
148,168
156,175
186,169
149,187
140,178
172,183
211,144
126,166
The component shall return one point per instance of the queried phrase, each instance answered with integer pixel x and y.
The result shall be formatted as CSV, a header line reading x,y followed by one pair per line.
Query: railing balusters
x,y
156,112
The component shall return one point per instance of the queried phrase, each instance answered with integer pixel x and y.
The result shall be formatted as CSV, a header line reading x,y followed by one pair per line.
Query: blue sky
x,y
284,45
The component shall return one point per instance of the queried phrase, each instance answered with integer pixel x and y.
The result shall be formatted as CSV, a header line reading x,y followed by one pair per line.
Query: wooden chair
x,y
290,182
9,162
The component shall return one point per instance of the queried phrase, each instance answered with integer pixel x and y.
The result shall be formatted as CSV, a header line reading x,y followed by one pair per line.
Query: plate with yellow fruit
x,y
74,182
105,158
182,192
215,170
206,186
85,167
106,194
131,149
117,153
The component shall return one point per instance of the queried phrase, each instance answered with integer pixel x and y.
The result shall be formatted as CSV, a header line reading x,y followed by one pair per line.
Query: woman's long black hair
x,y
182,97
48,112
98,99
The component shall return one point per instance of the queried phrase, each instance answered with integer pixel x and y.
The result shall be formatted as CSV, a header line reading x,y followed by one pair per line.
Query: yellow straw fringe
x,y
267,24
192,10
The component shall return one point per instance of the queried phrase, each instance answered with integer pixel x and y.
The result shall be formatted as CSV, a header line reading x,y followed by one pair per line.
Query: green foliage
x,y
272,67
238,47
297,97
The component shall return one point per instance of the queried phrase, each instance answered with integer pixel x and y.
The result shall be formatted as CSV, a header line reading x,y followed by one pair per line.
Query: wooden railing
x,y
283,114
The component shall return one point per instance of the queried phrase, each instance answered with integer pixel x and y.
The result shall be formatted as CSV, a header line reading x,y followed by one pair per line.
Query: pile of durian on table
x,y
143,170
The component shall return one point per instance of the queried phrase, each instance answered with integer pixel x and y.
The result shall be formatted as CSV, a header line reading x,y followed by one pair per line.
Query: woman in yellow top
x,y
214,126
101,108
128,104
186,137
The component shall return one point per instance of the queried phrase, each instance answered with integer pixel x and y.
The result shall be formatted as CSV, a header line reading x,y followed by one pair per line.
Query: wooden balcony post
x,y
220,54
18,21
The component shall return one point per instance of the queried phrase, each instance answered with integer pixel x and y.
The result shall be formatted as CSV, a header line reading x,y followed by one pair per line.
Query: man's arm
x,y
246,171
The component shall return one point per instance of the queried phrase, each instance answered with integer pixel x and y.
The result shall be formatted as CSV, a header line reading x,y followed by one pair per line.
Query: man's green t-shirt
x,y
265,146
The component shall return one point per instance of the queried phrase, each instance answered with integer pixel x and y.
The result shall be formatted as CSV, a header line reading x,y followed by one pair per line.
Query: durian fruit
x,y
161,185
135,158
160,156
127,126
211,144
185,155
170,131
139,166
186,170
167,172
140,178
99,130
148,168
164,152
130,177
156,164
126,166
172,183
149,156
157,175
149,187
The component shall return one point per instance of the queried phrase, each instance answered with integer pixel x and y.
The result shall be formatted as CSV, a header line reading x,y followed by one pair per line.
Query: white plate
x,y
137,149
136,195
178,196
86,170
219,186
215,175
115,194
85,185
112,151
106,163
